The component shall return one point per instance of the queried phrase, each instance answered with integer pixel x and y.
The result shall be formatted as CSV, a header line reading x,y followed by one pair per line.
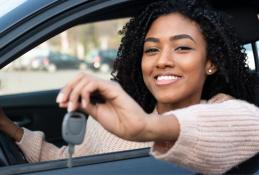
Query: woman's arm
x,y
120,114
208,138
213,138
9,128
33,144
36,149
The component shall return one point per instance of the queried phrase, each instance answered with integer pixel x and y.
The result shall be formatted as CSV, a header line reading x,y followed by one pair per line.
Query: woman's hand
x,y
120,114
9,128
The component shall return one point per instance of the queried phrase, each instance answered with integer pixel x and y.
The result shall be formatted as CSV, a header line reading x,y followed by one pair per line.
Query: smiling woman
x,y
175,60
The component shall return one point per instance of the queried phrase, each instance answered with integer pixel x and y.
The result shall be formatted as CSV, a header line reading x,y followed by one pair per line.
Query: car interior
x,y
26,110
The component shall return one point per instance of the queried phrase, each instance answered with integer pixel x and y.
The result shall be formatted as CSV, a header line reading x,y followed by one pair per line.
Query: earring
x,y
210,71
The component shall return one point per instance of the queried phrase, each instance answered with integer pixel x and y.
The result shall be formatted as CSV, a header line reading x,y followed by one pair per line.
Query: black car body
x,y
34,22
102,60
53,61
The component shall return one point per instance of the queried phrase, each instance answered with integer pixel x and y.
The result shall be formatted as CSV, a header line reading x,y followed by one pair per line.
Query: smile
x,y
166,79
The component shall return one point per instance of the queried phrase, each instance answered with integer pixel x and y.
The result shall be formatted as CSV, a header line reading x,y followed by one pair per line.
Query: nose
x,y
165,59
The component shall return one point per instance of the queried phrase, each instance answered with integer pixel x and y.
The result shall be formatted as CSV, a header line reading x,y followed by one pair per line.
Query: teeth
x,y
167,77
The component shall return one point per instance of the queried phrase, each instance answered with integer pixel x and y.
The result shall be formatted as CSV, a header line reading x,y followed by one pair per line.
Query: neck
x,y
165,107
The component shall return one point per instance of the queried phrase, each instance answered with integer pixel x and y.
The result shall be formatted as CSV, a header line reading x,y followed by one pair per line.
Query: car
x,y
47,60
102,60
52,61
28,97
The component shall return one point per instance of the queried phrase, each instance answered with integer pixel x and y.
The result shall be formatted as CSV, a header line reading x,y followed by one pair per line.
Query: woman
x,y
184,53
181,59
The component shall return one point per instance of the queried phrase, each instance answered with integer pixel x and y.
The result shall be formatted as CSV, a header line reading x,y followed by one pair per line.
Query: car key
x,y
73,131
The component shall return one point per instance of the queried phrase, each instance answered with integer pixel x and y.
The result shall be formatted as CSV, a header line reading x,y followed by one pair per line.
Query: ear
x,y
210,68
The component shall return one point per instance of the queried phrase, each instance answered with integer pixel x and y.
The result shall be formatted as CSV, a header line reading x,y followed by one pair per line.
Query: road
x,y
23,81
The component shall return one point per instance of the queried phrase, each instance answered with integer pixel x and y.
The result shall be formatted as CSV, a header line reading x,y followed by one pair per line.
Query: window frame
x,y
256,57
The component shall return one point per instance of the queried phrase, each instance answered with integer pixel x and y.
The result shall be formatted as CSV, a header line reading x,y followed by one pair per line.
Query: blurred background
x,y
90,47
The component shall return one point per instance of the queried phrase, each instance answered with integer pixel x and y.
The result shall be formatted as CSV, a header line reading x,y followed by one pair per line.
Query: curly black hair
x,y
223,47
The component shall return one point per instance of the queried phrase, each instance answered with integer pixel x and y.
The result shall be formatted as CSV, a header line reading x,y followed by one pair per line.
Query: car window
x,y
250,56
90,47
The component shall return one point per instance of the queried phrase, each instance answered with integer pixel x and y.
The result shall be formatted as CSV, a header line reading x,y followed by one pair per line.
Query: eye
x,y
151,51
183,48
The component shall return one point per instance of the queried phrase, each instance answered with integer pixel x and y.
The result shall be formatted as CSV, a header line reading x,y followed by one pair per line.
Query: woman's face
x,y
174,62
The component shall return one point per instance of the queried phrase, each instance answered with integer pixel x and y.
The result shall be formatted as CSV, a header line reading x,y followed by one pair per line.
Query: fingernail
x,y
70,107
60,97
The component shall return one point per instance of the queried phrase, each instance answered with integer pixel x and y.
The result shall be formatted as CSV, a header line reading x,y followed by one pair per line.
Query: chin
x,y
167,100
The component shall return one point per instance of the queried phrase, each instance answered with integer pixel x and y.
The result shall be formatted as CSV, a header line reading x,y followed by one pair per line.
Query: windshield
x,y
12,11
7,6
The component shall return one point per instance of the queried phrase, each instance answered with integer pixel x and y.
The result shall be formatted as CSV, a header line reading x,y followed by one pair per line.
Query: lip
x,y
166,79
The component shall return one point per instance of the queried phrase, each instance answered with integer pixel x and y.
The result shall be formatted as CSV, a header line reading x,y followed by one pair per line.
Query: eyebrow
x,y
172,38
181,36
151,39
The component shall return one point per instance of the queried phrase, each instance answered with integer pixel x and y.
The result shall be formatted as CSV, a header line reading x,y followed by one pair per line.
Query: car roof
x,y
19,10
245,14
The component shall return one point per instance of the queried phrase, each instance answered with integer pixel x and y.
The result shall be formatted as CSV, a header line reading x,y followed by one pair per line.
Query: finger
x,y
65,92
76,94
85,98
63,105
108,89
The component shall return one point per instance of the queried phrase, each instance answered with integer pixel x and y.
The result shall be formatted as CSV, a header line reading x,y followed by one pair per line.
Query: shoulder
x,y
228,104
233,106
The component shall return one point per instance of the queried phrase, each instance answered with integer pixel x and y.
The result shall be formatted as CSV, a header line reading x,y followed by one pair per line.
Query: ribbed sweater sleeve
x,y
97,140
213,137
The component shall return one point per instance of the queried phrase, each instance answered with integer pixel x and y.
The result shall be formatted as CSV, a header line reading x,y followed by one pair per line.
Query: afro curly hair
x,y
223,48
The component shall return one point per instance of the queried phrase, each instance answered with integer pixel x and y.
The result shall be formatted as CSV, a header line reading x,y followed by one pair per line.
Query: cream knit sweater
x,y
213,138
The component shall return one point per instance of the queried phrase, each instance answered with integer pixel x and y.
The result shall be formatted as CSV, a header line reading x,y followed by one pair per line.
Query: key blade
x,y
71,149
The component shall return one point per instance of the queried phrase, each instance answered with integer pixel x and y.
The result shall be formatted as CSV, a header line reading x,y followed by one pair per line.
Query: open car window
x,y
90,47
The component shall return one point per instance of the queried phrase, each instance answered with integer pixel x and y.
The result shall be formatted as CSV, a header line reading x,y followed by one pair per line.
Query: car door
x,y
28,96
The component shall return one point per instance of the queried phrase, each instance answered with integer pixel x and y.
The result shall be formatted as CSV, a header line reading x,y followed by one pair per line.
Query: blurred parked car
x,y
47,60
102,60
53,61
